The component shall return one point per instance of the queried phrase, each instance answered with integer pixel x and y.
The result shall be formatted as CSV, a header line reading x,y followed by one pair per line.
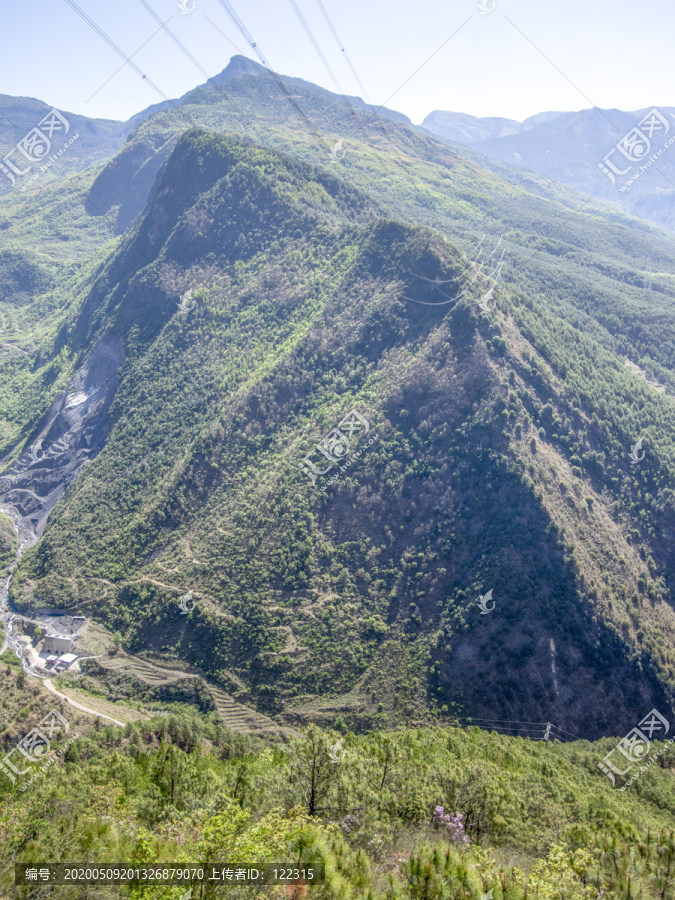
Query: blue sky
x,y
523,57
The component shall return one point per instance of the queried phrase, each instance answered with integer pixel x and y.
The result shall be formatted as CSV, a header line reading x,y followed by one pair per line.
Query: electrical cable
x,y
113,46
352,110
249,38
575,736
270,73
419,68
322,57
437,281
195,62
315,44
514,728
472,719
119,68
489,723
243,30
342,49
509,721
377,36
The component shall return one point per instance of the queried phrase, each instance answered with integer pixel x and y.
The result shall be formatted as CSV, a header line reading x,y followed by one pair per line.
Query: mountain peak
x,y
237,66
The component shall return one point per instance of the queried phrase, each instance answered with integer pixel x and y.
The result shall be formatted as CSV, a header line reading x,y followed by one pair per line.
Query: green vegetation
x,y
499,462
366,594
9,543
182,789
502,454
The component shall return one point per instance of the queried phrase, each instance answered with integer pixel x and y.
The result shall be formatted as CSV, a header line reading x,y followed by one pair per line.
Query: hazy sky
x,y
523,57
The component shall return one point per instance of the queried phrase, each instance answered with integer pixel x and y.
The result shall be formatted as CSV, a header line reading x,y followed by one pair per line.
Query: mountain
x,y
123,187
213,314
470,130
572,148
40,143
43,143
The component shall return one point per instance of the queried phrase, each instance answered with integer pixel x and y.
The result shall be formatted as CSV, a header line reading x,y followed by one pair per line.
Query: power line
x,y
504,724
119,69
315,44
377,36
269,73
419,68
173,37
113,46
192,59
511,721
322,57
317,47
491,724
525,732
243,30
575,736
341,46
615,127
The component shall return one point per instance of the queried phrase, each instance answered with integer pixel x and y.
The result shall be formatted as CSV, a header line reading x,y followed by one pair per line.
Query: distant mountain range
x,y
31,134
571,147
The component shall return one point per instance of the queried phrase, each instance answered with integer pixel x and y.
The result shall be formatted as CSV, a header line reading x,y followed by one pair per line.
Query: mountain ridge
x,y
570,147
320,287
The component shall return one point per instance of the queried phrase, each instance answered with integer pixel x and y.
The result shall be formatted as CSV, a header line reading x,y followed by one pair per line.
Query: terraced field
x,y
239,717
142,670
235,715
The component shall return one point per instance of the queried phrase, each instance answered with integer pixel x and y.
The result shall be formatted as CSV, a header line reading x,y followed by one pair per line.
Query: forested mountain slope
x,y
495,440
416,813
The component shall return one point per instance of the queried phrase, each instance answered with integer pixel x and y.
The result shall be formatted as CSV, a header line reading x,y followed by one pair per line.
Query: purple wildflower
x,y
454,824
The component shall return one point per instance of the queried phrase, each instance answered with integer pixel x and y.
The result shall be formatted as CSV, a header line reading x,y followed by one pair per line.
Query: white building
x,y
63,662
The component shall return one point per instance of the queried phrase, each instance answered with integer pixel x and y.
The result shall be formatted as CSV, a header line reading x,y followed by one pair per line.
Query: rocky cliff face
x,y
71,434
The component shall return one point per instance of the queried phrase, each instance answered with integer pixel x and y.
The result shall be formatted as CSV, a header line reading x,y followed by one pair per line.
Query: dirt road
x,y
50,687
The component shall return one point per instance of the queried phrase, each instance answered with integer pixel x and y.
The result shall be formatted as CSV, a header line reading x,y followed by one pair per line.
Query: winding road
x,y
50,687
